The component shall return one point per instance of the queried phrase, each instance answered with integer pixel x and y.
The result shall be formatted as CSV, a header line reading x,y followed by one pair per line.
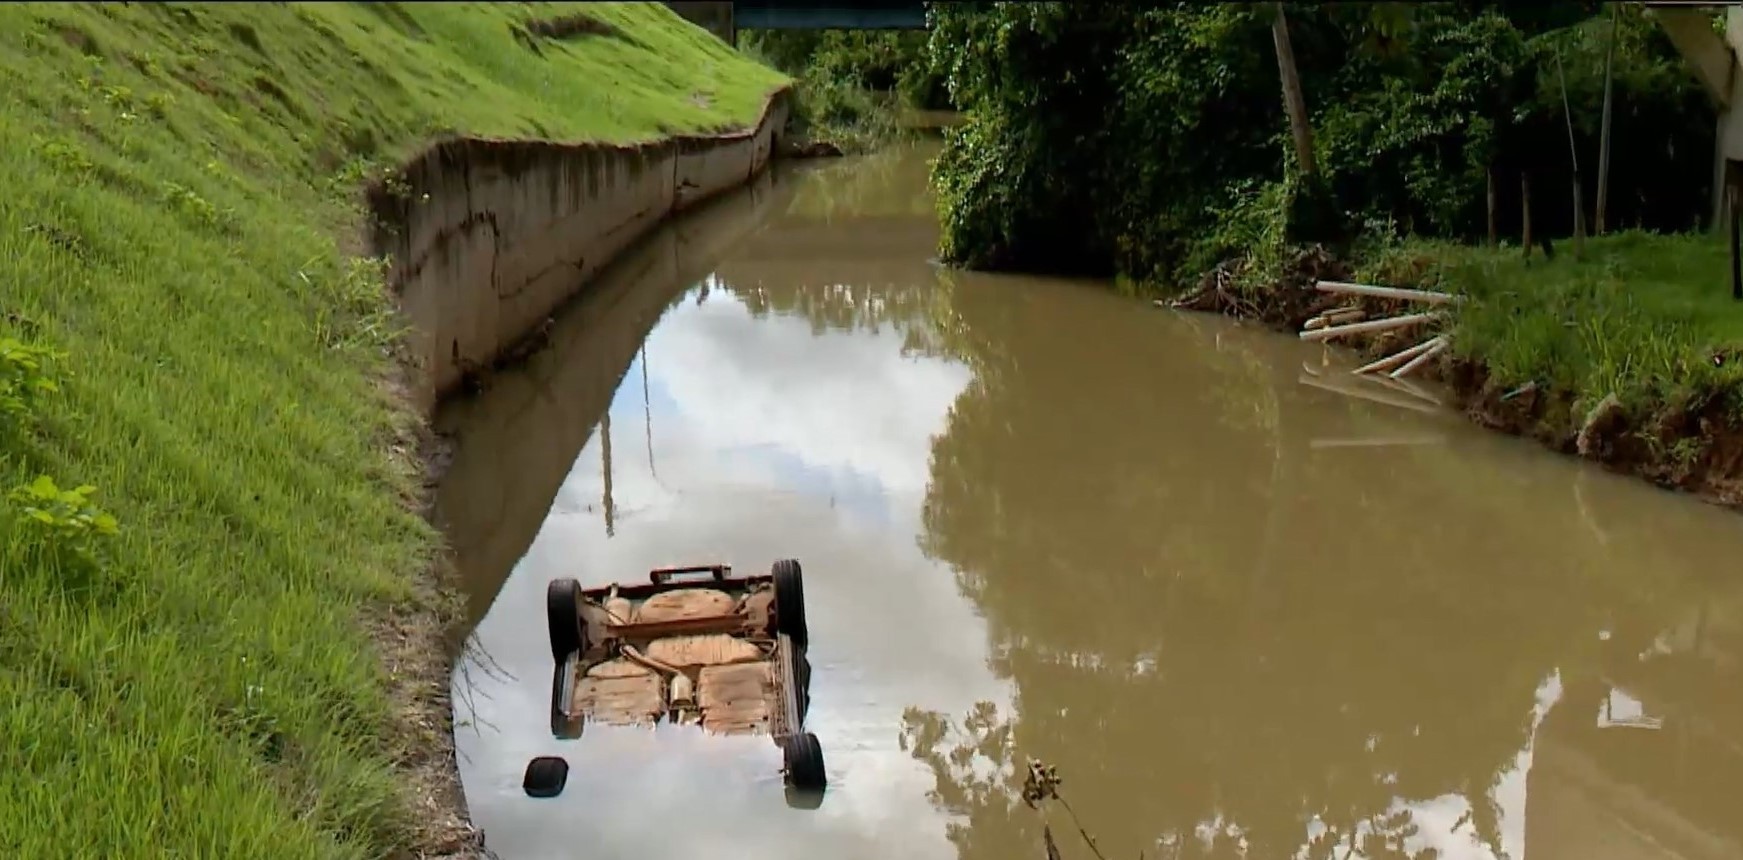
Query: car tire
x,y
804,760
564,725
563,616
545,776
790,601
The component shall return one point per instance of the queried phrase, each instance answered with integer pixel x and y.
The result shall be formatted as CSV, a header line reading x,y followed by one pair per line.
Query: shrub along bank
x,y
851,84
216,607
1152,144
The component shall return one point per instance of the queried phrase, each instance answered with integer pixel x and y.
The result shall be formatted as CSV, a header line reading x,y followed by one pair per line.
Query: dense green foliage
x,y
1152,141
851,83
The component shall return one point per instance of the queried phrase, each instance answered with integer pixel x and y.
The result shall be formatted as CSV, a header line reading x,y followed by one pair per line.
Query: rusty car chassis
x,y
693,646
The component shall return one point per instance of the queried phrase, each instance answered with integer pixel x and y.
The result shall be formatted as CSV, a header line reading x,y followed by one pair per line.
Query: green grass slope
x,y
179,186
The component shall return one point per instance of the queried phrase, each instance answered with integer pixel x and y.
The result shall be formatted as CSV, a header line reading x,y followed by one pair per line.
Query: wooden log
x,y
1396,358
1386,324
1342,315
1400,293
1438,347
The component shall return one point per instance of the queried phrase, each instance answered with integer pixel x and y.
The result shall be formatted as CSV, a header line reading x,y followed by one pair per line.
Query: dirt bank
x,y
1694,446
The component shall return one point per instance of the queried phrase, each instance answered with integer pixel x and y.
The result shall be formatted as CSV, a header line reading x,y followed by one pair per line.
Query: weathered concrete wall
x,y
515,442
488,237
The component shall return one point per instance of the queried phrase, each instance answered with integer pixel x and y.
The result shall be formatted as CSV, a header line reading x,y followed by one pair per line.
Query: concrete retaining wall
x,y
488,237
515,442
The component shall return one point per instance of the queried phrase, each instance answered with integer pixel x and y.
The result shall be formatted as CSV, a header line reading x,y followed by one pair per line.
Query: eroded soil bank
x,y
487,239
1695,446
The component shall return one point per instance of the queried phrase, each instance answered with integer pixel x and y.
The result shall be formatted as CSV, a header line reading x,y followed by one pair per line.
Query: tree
x,y
1293,101
1604,124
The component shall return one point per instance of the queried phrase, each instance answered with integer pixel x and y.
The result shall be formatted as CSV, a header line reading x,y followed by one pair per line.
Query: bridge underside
x,y
774,15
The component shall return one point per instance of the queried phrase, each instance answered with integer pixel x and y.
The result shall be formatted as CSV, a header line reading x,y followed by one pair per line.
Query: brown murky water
x,y
1247,606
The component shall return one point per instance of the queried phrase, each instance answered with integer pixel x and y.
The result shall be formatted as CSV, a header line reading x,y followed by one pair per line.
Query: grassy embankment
x,y
212,678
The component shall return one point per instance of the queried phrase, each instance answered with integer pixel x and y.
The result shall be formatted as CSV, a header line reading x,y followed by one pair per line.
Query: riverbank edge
x,y
1694,447
418,643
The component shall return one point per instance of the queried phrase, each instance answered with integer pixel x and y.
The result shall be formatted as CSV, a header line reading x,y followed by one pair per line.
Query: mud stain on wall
x,y
486,238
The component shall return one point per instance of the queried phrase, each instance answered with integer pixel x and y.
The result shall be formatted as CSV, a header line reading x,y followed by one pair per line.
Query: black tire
x,y
545,776
806,800
564,726
563,616
804,759
802,673
790,601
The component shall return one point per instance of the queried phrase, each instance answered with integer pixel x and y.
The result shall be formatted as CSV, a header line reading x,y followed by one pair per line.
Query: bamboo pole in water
x,y
1401,293
1341,315
1364,327
1376,442
1396,358
1405,386
1372,396
1438,347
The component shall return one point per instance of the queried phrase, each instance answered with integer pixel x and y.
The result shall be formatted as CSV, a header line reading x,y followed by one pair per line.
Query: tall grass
x,y
180,182
1646,317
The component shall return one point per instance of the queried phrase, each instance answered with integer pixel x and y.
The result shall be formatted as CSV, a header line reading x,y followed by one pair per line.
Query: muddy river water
x,y
1247,606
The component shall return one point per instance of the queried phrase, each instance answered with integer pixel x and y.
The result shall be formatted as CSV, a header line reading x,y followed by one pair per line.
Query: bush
x,y
850,84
